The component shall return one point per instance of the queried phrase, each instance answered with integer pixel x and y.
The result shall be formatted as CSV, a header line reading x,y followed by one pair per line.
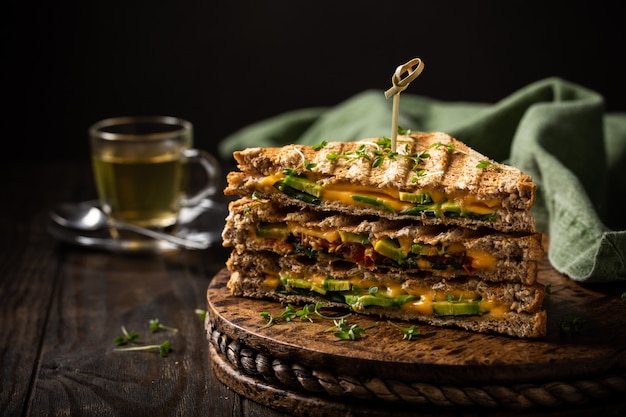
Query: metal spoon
x,y
87,216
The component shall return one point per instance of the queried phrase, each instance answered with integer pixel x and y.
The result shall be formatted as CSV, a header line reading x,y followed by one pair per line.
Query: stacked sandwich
x,y
430,231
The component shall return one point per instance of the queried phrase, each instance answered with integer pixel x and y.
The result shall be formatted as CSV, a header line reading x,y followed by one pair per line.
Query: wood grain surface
x,y
591,359
62,305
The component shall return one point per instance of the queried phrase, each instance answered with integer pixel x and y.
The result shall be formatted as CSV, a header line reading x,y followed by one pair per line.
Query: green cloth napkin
x,y
554,130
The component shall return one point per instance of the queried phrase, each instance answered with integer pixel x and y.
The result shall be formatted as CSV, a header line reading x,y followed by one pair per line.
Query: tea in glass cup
x,y
139,166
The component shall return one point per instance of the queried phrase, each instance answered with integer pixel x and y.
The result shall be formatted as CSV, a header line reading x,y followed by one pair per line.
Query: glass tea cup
x,y
140,167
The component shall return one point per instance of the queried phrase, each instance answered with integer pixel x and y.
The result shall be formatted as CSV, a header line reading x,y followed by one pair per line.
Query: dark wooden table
x,y
61,306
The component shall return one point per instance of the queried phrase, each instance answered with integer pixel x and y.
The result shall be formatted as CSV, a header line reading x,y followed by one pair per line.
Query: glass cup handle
x,y
213,172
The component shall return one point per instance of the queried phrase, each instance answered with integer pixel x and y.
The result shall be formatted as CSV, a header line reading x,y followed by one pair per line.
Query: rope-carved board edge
x,y
298,377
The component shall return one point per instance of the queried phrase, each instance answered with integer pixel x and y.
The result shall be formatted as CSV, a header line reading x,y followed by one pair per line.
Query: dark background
x,y
226,64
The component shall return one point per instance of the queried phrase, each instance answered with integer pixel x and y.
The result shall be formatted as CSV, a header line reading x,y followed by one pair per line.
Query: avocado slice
x,y
430,209
390,248
348,237
281,186
272,230
376,202
420,198
302,284
456,308
337,284
374,300
303,184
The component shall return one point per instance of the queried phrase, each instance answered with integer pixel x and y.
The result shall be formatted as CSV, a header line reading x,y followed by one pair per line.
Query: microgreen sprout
x,y
319,146
306,164
484,164
164,348
416,178
156,325
449,147
126,337
571,326
347,331
255,197
379,151
317,313
287,315
201,314
270,319
408,332
306,313
303,314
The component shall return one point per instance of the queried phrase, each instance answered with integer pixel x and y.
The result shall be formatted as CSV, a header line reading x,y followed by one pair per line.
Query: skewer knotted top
x,y
413,68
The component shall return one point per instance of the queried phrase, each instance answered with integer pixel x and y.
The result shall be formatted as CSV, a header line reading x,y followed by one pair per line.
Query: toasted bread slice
x,y
468,303
431,177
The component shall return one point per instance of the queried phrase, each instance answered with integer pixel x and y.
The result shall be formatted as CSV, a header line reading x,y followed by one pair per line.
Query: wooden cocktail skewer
x,y
413,68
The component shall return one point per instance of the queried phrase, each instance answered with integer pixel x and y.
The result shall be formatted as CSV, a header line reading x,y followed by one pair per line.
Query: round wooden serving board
x,y
302,368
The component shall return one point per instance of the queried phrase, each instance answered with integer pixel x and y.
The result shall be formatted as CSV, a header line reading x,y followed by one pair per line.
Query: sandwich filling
x,y
431,203
370,251
359,293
